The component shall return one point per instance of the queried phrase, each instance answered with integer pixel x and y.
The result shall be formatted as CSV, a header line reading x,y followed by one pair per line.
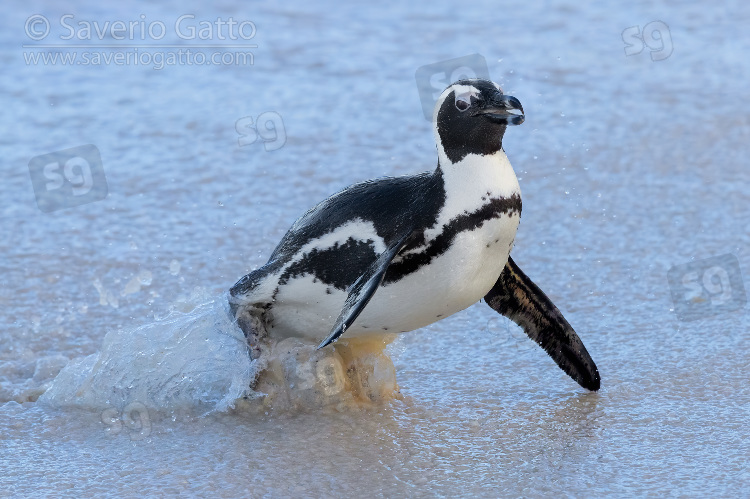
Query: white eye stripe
x,y
463,95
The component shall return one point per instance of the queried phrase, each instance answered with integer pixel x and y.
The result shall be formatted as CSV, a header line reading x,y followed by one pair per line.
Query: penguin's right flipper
x,y
363,289
515,296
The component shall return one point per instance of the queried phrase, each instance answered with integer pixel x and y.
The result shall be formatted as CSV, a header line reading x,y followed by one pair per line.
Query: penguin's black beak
x,y
503,109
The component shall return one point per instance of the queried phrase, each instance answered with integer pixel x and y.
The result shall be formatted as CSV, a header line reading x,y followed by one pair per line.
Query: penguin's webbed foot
x,y
253,325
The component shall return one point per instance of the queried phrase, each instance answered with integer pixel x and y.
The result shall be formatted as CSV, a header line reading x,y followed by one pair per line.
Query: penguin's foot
x,y
252,321
352,373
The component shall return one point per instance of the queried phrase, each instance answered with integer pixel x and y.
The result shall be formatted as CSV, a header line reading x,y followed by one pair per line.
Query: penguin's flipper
x,y
363,289
519,299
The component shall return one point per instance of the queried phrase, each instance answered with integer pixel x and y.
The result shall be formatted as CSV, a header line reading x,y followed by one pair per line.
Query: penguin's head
x,y
471,116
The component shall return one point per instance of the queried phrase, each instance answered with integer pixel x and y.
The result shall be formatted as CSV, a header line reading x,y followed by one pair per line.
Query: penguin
x,y
395,254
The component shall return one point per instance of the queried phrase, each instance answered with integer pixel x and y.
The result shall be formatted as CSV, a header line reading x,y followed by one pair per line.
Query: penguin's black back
x,y
391,204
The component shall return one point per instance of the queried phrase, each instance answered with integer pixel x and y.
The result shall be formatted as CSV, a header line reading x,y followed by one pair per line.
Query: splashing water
x,y
197,358
355,372
193,358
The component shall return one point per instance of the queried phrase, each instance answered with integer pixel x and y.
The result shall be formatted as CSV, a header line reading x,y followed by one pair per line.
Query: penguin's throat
x,y
478,178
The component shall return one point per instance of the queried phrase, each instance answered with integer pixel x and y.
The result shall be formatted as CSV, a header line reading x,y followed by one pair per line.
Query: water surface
x,y
629,167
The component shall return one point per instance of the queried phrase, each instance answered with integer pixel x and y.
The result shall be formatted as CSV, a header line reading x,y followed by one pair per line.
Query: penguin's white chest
x,y
451,281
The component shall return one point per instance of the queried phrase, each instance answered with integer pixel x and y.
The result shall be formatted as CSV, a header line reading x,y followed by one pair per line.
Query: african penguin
x,y
396,254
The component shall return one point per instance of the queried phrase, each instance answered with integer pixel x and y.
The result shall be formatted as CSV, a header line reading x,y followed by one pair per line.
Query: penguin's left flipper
x,y
515,296
363,289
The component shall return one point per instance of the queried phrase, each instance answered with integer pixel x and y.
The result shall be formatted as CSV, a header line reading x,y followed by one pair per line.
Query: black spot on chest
x,y
410,263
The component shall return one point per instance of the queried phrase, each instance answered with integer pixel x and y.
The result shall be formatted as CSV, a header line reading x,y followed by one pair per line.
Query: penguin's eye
x,y
464,100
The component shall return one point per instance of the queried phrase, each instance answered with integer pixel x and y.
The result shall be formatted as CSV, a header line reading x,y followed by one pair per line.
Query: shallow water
x,y
633,171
